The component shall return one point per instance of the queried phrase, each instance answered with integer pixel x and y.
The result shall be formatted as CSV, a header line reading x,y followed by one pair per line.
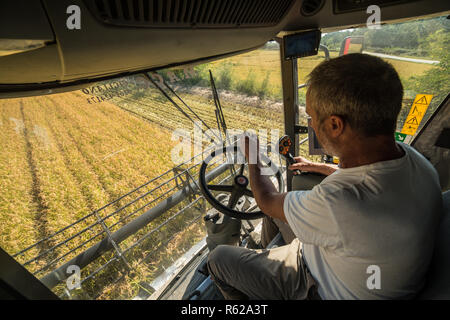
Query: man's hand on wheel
x,y
267,197
249,145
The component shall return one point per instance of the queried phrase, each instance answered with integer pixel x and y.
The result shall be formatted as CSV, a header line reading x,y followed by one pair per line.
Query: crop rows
x,y
61,159
73,166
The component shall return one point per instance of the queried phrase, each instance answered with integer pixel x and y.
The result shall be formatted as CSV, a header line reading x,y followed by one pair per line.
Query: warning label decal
x,y
418,109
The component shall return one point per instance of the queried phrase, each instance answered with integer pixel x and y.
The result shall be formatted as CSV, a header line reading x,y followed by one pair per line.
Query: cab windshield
x,y
103,164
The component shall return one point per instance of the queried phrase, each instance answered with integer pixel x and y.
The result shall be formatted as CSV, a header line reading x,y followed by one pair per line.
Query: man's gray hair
x,y
364,90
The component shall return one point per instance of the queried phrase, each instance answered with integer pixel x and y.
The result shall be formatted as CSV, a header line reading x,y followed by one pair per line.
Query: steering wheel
x,y
237,189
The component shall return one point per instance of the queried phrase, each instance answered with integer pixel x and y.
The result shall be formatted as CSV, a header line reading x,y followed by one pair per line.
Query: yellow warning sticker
x,y
418,109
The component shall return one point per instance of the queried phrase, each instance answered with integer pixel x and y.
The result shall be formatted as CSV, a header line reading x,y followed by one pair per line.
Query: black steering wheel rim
x,y
217,204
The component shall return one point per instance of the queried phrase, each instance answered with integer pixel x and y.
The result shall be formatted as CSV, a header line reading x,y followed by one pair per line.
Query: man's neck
x,y
364,151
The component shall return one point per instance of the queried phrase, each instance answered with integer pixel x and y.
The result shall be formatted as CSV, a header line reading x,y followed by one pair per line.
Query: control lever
x,y
284,144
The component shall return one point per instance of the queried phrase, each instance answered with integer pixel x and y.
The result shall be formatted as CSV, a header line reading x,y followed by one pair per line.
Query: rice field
x,y
62,159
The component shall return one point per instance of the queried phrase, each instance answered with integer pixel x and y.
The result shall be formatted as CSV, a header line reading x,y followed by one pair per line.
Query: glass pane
x,y
418,50
77,167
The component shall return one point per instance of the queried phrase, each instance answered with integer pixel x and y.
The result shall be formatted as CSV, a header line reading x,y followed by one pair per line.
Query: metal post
x,y
289,79
113,243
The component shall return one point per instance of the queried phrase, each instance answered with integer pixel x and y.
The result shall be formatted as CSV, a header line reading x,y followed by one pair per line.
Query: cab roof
x,y
44,47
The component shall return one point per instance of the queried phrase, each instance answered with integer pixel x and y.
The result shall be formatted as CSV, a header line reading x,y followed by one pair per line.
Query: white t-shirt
x,y
384,214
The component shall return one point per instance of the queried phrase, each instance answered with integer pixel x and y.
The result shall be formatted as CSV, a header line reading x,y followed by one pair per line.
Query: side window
x,y
419,51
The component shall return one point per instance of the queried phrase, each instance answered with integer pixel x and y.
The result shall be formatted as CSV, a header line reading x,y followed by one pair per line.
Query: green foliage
x,y
263,89
333,40
201,77
225,80
435,81
247,86
198,76
402,38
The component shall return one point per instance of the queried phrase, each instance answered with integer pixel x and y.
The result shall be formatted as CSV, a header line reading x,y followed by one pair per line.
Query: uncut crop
x,y
62,159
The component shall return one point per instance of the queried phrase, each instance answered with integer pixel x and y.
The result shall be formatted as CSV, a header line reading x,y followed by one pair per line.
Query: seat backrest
x,y
438,280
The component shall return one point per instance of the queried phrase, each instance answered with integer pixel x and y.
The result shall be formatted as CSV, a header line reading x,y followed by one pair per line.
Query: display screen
x,y
301,44
314,146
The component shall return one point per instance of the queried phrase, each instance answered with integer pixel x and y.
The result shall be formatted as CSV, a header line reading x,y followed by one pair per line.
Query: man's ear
x,y
336,125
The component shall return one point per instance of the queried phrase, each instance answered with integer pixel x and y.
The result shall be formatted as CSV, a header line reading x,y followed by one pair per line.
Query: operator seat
x,y
437,286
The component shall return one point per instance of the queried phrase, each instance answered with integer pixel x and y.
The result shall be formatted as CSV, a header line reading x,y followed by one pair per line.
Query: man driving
x,y
367,230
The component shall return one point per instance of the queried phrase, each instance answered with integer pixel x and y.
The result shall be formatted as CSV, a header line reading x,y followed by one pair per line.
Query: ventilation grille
x,y
190,13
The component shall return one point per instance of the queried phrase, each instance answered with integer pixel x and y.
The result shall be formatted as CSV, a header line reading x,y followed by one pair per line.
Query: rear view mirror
x,y
352,44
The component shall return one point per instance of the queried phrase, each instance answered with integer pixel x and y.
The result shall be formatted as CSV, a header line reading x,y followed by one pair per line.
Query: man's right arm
x,y
309,166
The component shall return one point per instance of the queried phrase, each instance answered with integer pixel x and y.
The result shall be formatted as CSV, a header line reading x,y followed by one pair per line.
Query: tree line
x,y
412,37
